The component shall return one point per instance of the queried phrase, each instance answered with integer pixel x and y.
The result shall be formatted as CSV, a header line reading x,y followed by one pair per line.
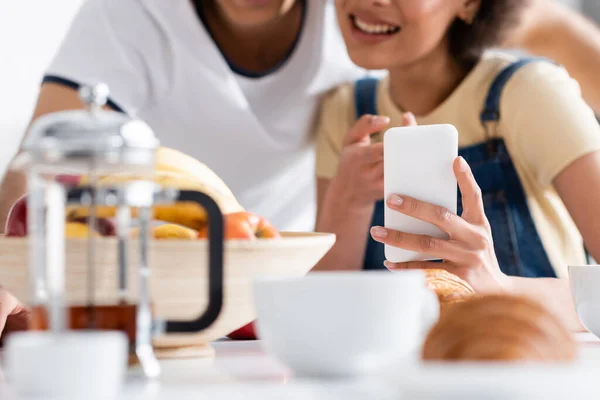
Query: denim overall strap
x,y
519,248
365,101
491,111
365,96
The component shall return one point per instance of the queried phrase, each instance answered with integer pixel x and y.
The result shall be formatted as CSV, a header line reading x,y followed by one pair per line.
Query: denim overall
x,y
518,246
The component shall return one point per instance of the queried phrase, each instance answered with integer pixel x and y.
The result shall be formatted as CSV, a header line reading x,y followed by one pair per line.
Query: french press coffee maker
x,y
93,143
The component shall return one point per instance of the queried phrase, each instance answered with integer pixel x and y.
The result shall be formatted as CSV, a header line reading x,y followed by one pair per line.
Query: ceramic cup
x,y
344,324
585,289
73,365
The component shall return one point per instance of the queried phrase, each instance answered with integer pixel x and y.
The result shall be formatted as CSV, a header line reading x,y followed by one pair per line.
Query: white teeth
x,y
374,29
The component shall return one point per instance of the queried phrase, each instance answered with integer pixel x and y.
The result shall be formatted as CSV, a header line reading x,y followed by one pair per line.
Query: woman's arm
x,y
554,294
350,222
553,30
346,201
579,188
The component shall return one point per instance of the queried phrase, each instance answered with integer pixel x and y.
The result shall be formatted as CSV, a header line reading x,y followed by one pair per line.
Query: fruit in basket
x,y
245,225
186,214
499,328
174,169
173,231
16,223
449,288
170,160
104,226
246,332
78,230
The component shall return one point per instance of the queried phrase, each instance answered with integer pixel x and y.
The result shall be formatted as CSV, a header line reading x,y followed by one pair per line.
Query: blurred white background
x,y
30,33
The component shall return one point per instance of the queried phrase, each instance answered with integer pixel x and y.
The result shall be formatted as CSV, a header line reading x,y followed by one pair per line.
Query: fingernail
x,y
462,165
379,232
379,120
396,200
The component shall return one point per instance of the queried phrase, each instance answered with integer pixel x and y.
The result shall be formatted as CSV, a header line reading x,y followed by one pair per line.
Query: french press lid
x,y
68,141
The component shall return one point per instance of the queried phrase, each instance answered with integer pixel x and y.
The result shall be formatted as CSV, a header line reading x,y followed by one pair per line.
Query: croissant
x,y
499,328
449,288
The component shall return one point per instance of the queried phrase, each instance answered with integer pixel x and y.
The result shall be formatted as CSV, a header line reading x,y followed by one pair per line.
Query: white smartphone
x,y
418,163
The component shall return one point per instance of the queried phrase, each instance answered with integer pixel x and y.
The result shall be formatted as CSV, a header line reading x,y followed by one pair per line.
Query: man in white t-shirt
x,y
244,107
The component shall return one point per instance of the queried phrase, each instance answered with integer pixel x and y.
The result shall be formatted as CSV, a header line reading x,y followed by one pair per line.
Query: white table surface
x,y
241,370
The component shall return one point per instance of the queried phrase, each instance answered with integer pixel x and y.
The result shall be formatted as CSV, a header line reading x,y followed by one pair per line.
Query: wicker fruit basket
x,y
179,276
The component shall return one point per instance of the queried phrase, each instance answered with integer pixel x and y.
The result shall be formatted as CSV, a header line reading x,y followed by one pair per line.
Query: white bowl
x,y
344,324
585,289
74,365
178,284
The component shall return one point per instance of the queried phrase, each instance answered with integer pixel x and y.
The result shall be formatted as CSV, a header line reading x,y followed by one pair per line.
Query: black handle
x,y
215,257
215,265
76,195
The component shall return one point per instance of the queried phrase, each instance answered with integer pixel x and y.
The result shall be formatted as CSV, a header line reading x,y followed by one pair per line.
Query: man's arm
x,y
551,29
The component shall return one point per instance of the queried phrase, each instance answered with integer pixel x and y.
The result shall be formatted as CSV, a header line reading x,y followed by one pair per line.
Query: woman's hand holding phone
x,y
469,251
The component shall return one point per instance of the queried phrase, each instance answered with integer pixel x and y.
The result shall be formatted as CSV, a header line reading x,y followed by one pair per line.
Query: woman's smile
x,y
372,31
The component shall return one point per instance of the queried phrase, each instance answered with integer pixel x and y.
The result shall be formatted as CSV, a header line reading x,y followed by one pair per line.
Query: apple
x,y
246,332
16,222
245,225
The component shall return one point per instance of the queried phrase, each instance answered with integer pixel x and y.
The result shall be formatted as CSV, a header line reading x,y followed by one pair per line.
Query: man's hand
x,y
14,316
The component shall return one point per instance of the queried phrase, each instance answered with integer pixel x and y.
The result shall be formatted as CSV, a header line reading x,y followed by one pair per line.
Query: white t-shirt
x,y
162,65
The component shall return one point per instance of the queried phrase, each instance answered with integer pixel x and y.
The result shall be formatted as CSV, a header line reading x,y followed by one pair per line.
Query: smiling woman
x,y
532,143
467,36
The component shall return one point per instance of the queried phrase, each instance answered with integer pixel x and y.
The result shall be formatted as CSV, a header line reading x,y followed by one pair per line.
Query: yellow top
x,y
545,124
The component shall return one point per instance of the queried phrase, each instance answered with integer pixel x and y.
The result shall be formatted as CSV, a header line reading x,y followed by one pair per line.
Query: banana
x,y
170,160
78,230
177,170
172,231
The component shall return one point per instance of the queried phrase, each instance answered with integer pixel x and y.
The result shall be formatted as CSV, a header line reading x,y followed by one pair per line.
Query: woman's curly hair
x,y
489,28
